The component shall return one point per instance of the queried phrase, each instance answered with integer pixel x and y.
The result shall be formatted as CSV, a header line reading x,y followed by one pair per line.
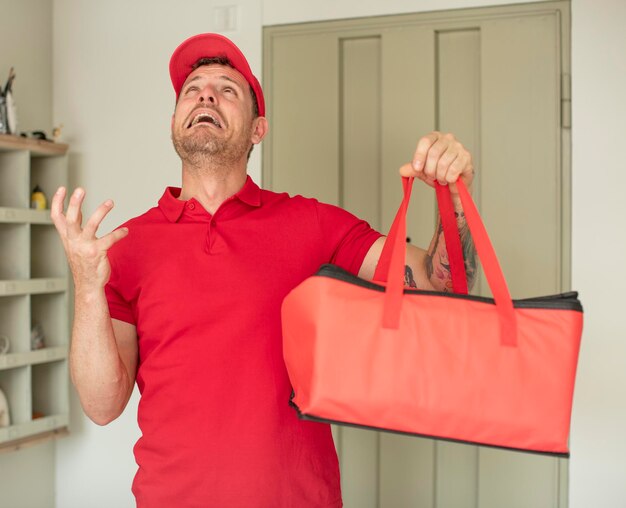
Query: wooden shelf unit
x,y
33,290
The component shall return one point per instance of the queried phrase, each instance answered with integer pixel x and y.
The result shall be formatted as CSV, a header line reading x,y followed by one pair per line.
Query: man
x,y
188,304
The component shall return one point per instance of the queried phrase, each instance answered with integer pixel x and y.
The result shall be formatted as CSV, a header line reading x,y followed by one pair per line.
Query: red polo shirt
x,y
204,292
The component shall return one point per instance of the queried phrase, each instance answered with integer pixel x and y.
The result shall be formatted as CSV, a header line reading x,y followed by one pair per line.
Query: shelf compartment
x,y
47,354
33,427
50,388
14,251
32,290
24,215
47,254
49,173
14,179
15,322
32,286
50,312
15,384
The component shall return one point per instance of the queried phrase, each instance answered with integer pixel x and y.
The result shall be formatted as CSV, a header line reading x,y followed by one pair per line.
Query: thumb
x,y
113,237
408,171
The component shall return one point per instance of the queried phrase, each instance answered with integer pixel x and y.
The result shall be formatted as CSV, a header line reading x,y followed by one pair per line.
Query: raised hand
x,y
440,157
86,254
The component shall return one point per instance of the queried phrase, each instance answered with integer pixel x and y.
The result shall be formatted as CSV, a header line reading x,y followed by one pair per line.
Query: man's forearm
x,y
470,257
98,372
437,262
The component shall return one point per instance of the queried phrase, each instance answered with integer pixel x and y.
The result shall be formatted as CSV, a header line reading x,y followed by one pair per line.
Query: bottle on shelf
x,y
38,200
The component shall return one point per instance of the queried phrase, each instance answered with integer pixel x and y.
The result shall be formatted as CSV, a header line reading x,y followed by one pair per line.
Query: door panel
x,y
517,480
408,108
458,111
360,127
406,463
347,103
458,94
359,467
360,173
406,471
307,161
520,204
456,469
520,137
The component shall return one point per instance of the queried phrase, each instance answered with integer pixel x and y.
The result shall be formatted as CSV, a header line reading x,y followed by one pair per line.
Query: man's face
x,y
213,118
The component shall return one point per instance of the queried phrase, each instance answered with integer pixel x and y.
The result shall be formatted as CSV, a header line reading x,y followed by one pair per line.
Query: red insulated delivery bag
x,y
488,371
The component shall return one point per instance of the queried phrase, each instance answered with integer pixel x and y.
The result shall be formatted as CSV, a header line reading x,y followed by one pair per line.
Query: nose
x,y
207,95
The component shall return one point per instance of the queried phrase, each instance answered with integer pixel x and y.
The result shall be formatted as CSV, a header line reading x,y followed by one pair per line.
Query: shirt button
x,y
191,206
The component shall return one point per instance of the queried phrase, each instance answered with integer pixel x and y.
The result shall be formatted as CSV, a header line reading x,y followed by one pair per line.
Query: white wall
x,y
598,464
112,92
26,44
111,89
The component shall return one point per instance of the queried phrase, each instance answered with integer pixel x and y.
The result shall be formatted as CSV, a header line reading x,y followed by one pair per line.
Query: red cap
x,y
208,46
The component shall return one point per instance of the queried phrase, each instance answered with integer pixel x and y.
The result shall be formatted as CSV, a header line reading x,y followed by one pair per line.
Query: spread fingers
x,y
96,218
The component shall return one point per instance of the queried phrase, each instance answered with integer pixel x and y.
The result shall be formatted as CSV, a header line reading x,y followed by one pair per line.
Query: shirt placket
x,y
210,233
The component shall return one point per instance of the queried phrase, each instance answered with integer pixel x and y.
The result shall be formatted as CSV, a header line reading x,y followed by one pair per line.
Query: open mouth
x,y
204,118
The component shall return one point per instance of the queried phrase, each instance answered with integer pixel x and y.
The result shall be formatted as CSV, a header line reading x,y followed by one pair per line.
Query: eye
x,y
192,88
230,90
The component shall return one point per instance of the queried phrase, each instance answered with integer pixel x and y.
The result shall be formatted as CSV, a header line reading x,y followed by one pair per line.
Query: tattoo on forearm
x,y
409,280
469,251
433,247
437,263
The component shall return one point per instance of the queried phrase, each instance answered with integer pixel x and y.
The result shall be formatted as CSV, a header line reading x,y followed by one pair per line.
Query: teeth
x,y
205,116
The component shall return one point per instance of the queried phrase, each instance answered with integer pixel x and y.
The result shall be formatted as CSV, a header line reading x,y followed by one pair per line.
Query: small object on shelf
x,y
5,418
38,414
37,337
9,84
5,127
56,133
10,113
39,135
3,114
35,135
38,199
5,345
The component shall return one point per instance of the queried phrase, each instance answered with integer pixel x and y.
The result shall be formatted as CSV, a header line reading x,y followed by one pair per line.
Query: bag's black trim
x,y
317,419
563,301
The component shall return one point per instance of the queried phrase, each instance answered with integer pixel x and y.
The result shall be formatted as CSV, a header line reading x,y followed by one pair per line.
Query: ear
x,y
172,122
260,128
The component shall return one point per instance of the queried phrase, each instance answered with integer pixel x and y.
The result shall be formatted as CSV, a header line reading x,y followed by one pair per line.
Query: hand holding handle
x,y
391,263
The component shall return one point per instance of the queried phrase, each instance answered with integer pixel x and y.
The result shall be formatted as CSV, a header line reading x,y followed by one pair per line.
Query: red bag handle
x,y
450,231
392,260
453,239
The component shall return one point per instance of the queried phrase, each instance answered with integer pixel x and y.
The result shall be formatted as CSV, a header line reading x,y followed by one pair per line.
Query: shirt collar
x,y
173,208
250,193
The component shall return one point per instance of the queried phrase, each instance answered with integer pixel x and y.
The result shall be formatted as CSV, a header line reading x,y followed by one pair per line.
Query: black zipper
x,y
317,419
562,301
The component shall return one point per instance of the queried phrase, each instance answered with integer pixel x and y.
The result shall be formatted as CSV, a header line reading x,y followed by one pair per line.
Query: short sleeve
x,y
119,307
347,238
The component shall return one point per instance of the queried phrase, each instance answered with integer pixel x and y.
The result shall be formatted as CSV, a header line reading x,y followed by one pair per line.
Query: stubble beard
x,y
202,150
